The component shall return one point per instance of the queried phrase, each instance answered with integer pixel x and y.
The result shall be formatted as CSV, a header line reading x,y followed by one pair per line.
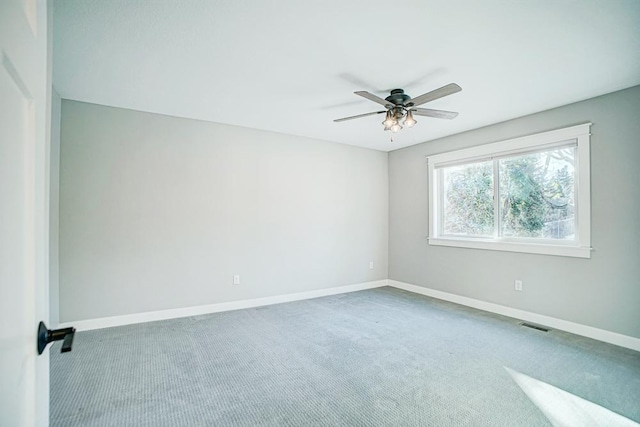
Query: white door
x,y
24,122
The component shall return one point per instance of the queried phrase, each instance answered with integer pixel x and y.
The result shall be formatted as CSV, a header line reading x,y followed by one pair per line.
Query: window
x,y
528,194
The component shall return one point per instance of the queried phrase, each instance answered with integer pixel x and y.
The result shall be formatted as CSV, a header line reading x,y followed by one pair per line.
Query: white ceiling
x,y
292,66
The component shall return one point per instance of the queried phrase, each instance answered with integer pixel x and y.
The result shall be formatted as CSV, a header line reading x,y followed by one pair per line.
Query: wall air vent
x,y
532,326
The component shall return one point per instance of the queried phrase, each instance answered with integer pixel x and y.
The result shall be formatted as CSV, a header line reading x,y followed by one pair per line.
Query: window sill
x,y
531,248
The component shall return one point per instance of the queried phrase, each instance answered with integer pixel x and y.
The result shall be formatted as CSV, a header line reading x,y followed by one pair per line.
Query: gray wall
x,y
159,212
54,194
603,292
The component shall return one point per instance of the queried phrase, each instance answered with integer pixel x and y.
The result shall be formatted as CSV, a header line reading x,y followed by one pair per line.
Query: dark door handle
x,y
45,336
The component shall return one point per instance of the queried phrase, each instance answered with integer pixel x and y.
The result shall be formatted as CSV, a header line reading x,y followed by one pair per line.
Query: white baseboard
x,y
151,316
552,322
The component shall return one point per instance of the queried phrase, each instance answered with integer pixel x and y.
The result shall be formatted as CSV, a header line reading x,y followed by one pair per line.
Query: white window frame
x,y
580,247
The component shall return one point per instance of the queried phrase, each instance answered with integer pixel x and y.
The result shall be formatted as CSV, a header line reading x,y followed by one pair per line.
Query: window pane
x,y
468,199
536,195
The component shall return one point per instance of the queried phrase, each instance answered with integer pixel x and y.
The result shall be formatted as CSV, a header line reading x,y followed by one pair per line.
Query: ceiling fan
x,y
399,105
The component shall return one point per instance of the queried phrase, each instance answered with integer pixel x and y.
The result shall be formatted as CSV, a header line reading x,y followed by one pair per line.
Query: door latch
x,y
45,336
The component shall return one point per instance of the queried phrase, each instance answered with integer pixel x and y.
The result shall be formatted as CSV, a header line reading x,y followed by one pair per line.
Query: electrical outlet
x,y
370,265
236,279
518,285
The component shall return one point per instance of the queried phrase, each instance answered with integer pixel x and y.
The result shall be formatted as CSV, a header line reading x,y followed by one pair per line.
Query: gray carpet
x,y
381,357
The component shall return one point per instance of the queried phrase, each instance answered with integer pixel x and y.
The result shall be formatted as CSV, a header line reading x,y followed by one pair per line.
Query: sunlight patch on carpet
x,y
564,409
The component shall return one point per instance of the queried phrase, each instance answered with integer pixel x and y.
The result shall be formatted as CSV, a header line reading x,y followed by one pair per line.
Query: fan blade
x,y
449,89
372,97
358,116
440,114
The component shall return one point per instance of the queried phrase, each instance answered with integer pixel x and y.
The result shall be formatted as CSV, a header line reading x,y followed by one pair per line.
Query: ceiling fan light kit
x,y
399,105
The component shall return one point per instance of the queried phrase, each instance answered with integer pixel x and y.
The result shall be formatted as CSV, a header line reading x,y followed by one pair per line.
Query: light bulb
x,y
409,121
389,120
395,128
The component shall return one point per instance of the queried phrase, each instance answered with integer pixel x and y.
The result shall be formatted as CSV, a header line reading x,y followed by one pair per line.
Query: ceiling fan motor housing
x,y
398,97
